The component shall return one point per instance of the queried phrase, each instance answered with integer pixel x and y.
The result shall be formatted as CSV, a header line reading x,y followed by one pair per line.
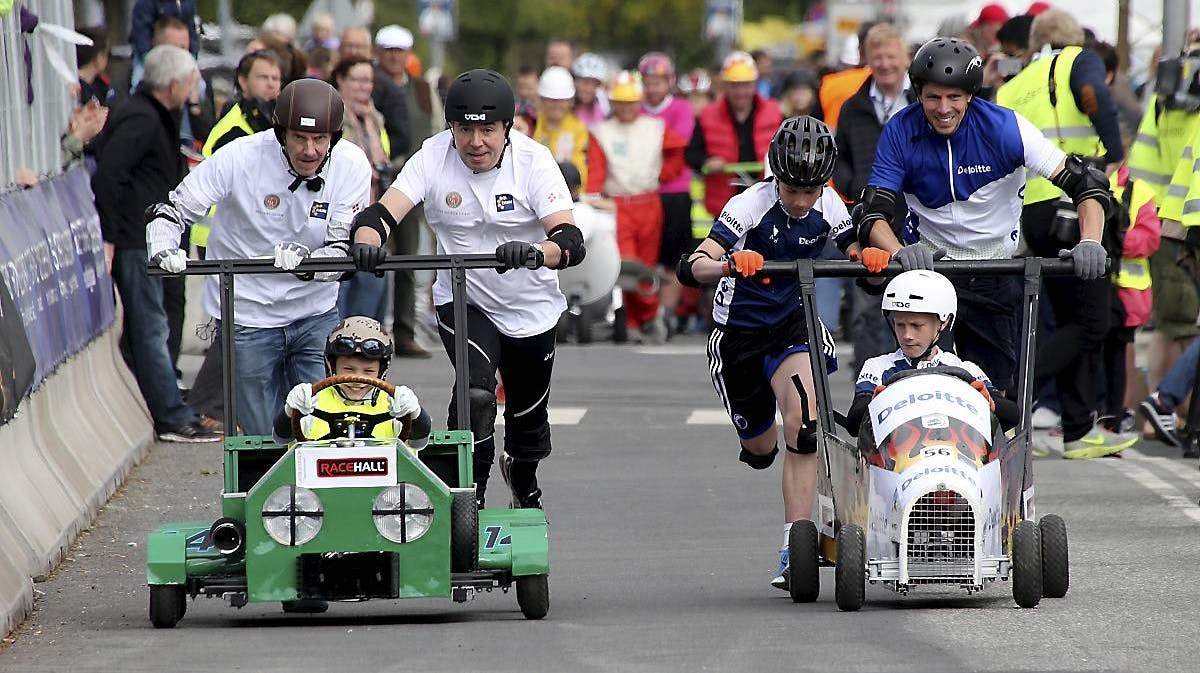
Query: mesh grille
x,y
941,538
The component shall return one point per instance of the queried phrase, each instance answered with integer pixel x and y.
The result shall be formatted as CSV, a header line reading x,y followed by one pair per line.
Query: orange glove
x,y
875,259
878,389
983,390
746,262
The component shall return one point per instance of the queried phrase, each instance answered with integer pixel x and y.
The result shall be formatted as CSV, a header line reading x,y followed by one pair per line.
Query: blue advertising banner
x,y
52,263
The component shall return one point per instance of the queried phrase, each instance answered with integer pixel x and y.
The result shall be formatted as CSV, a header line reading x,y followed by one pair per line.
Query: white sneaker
x,y
1044,418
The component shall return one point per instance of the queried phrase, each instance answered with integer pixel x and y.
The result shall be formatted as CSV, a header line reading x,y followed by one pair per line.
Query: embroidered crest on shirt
x,y
454,199
505,203
319,209
271,201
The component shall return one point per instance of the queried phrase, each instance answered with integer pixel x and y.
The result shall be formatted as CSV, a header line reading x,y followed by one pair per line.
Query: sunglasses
x,y
370,347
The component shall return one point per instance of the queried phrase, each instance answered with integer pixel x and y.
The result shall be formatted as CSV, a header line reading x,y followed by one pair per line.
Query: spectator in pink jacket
x,y
1131,281
658,80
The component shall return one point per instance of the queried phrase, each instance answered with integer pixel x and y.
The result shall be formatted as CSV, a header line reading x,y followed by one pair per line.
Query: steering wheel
x,y
405,423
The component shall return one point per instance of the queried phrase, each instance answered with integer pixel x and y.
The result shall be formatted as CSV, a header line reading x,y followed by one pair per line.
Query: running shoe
x,y
1098,443
781,579
1161,417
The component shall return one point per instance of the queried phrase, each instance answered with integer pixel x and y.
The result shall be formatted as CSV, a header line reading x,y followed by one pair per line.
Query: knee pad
x,y
806,439
483,412
756,461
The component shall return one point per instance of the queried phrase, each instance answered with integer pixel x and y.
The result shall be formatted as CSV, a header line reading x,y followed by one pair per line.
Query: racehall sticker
x,y
921,396
327,467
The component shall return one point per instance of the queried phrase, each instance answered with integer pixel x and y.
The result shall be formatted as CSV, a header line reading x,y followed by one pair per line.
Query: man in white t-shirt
x,y
486,188
290,194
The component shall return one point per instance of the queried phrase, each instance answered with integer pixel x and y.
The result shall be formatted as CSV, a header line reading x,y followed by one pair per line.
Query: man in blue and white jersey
x,y
959,163
758,353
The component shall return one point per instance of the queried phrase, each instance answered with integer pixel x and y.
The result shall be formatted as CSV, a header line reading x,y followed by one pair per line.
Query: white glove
x,y
300,399
289,255
404,403
171,261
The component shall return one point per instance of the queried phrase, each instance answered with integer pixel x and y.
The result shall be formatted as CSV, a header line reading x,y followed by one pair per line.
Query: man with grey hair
x,y
138,164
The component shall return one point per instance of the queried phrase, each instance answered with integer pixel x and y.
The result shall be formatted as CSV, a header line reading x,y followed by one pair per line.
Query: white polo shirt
x,y
248,181
476,212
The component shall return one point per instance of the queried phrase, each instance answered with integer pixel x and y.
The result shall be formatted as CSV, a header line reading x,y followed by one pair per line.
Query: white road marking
x,y
1187,474
1173,496
715,417
558,415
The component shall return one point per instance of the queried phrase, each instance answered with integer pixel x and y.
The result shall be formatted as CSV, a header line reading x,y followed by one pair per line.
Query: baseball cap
x,y
992,13
394,37
1037,8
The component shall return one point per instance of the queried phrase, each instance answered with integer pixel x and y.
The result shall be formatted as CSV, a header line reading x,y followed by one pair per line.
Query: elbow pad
x,y
876,203
569,239
683,271
374,216
1083,182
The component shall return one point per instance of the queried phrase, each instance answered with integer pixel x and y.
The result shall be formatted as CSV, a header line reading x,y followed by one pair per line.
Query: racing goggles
x,y
370,347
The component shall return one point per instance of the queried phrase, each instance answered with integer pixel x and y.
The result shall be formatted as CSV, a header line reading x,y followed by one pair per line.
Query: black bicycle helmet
x,y
479,97
948,61
802,153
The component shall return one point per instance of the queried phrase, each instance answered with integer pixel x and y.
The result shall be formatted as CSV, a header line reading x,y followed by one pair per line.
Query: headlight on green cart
x,y
292,515
402,513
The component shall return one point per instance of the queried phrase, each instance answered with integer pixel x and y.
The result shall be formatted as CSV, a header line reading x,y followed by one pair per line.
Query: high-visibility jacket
x,y
1134,272
372,413
1182,200
1160,141
1042,94
702,220
836,89
568,142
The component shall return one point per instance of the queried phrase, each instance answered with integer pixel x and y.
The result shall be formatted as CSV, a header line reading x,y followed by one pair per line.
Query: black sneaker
x,y
531,500
192,433
523,484
1162,418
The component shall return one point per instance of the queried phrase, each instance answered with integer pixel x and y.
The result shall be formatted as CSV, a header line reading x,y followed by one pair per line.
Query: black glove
x,y
857,213
366,256
519,255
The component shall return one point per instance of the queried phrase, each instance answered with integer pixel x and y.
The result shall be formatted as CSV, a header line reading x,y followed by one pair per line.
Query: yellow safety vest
x,y
1182,200
1134,272
331,401
1042,94
570,139
702,220
1161,138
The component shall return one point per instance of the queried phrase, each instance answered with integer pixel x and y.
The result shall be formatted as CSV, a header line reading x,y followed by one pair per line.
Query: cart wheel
x,y
851,585
167,605
464,531
533,595
804,566
583,326
620,328
1027,564
1056,569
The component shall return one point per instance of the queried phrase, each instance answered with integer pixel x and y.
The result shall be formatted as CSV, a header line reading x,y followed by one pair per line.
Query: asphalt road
x,y
662,546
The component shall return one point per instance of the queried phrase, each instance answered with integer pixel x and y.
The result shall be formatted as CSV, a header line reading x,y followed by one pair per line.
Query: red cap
x,y
1037,8
992,13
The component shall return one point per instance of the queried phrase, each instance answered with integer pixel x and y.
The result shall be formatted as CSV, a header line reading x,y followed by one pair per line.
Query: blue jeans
x,y
146,332
1177,384
363,294
271,360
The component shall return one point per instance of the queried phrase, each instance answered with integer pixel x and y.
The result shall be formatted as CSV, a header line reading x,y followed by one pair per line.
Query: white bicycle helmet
x,y
922,291
590,66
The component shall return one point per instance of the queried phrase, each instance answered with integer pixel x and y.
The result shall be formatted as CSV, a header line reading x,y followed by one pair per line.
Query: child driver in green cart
x,y
358,345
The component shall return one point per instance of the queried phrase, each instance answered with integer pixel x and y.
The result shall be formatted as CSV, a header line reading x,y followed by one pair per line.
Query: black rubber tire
x,y
804,574
620,329
850,588
1027,564
464,532
533,595
1056,566
168,603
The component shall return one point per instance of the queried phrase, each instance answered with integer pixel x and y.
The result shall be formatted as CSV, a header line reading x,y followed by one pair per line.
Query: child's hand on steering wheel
x,y
300,399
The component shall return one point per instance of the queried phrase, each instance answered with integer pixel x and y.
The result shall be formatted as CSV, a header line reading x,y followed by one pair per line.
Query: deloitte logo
x,y
923,397
972,170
